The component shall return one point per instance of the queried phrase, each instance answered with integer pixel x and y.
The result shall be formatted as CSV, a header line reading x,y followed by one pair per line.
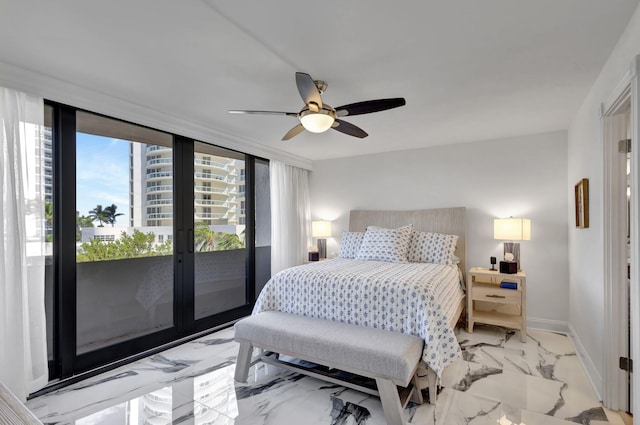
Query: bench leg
x,y
393,412
432,376
416,397
243,363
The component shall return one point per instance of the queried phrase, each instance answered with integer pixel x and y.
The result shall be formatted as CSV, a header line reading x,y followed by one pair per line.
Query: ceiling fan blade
x,y
307,89
293,132
289,114
369,106
348,128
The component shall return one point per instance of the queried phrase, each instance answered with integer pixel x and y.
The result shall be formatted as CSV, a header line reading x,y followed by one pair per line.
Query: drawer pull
x,y
495,296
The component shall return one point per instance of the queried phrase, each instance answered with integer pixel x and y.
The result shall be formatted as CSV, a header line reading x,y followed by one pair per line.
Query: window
x,y
122,191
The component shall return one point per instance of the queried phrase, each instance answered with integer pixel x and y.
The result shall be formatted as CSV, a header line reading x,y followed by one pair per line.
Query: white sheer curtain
x,y
290,215
23,351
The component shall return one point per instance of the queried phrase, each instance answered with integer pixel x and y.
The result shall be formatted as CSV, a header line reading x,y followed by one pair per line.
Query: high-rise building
x,y
218,187
46,152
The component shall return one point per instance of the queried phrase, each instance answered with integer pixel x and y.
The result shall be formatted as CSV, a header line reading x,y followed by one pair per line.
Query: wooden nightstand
x,y
504,307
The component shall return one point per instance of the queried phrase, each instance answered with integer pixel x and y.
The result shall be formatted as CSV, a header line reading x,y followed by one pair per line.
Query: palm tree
x,y
111,214
204,238
226,241
100,215
48,214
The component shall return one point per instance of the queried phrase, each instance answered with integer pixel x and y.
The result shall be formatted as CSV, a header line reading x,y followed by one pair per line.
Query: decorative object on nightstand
x,y
508,267
321,229
504,297
492,260
512,229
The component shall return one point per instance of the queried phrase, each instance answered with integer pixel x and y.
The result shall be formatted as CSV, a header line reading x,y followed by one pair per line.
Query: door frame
x,y
615,325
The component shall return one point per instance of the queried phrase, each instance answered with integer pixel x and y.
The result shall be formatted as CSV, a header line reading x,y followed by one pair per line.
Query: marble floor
x,y
499,380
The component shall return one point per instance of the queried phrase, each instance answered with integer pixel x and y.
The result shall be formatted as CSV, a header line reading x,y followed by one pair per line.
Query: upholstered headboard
x,y
451,221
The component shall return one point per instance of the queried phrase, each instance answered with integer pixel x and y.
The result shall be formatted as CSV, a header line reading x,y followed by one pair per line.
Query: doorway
x,y
620,245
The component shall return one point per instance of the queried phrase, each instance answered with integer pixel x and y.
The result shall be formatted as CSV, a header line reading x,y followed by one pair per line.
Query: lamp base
x,y
322,248
513,248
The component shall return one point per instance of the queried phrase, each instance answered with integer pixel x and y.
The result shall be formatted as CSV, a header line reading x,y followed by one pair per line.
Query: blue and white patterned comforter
x,y
401,297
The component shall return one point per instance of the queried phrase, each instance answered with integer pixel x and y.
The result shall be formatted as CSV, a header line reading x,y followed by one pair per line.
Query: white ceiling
x,y
470,70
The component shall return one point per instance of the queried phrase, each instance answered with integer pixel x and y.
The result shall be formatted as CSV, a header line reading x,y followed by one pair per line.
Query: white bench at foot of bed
x,y
391,358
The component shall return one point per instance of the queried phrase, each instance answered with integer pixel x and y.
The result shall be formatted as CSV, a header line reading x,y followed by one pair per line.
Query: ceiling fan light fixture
x,y
317,122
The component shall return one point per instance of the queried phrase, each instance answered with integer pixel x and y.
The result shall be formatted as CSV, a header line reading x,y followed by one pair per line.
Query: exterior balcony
x,y
208,216
160,216
211,164
211,203
160,189
209,189
159,161
164,175
156,202
210,177
158,148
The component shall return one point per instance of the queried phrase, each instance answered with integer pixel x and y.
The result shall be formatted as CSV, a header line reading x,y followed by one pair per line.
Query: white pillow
x,y
350,246
435,248
380,244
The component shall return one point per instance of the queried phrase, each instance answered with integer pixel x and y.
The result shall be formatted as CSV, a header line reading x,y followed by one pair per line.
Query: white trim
x,y
65,92
613,129
587,364
635,230
547,325
618,95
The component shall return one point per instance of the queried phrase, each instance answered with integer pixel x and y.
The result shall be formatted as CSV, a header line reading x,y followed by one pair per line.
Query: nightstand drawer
x,y
496,295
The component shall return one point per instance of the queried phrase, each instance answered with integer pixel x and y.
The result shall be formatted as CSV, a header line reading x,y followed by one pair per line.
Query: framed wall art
x,y
582,204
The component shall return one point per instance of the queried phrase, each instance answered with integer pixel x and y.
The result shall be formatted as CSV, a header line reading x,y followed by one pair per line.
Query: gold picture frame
x,y
582,204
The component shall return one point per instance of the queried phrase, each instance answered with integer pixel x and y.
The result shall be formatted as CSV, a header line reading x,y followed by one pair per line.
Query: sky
x,y
102,175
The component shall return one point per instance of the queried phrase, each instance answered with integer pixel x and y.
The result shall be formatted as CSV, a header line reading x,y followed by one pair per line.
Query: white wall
x,y
520,177
586,256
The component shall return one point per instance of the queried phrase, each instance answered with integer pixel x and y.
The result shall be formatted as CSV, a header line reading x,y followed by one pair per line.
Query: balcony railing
x,y
211,189
160,189
163,174
210,163
160,161
211,202
210,176
208,215
159,202
156,216
157,148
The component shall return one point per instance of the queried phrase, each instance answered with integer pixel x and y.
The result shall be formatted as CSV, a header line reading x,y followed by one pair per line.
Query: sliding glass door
x,y
153,238
124,255
219,230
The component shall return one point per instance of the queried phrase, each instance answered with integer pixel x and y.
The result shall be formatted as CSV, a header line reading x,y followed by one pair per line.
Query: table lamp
x,y
512,229
321,229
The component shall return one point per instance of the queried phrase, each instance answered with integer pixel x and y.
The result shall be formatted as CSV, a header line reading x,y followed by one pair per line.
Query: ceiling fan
x,y
317,117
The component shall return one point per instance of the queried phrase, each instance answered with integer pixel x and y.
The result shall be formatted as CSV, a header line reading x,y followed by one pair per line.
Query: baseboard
x,y
547,325
587,364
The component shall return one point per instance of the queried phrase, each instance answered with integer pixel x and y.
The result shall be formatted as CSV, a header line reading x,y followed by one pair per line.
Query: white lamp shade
x,y
317,122
512,229
321,229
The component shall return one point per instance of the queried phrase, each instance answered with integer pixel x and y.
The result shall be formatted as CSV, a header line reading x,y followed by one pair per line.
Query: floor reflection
x,y
499,380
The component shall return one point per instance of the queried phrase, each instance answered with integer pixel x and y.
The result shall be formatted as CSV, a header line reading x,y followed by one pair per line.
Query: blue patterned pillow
x,y
350,246
435,248
380,244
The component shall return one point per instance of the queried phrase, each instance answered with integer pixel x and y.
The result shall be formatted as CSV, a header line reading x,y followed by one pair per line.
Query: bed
x,y
420,299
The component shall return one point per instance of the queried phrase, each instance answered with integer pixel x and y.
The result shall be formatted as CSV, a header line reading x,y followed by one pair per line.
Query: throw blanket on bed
x,y
401,297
